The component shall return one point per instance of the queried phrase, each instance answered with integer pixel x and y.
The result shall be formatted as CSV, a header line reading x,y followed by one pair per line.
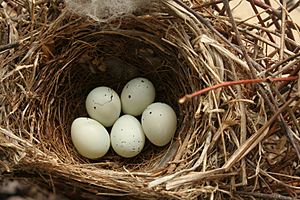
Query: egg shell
x,y
136,96
89,137
159,123
127,136
103,104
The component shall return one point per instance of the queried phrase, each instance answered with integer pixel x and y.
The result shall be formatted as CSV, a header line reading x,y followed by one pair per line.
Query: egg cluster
x,y
127,136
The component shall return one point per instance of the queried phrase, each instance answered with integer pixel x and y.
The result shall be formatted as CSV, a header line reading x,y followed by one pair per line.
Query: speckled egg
x,y
159,123
136,96
103,104
127,136
89,137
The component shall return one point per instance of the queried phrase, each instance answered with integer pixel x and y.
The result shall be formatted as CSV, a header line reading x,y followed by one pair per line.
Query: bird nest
x,y
236,102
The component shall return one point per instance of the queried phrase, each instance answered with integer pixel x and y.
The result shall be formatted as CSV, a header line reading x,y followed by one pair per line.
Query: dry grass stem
x,y
238,134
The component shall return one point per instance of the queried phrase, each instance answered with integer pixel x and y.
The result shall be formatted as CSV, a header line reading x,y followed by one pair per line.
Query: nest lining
x,y
70,63
46,80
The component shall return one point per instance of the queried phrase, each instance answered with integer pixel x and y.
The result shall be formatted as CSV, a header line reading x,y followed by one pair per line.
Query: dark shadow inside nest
x,y
113,65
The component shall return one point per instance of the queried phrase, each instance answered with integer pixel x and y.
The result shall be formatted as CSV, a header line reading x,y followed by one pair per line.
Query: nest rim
x,y
170,171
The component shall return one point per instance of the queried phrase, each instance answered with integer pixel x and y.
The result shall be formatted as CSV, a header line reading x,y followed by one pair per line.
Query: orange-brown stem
x,y
230,83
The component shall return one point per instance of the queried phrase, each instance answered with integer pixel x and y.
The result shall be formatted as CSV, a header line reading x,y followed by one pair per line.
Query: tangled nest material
x,y
100,10
237,140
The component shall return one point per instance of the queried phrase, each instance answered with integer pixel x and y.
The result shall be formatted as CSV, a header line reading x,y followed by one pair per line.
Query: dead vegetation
x,y
236,141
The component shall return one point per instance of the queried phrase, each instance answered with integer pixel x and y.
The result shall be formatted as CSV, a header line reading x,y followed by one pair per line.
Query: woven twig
x,y
233,141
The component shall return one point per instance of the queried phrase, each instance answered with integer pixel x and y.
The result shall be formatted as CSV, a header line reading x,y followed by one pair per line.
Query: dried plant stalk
x,y
236,140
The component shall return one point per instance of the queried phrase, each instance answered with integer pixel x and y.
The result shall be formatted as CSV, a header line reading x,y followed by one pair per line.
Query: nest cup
x,y
87,55
46,78
71,57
